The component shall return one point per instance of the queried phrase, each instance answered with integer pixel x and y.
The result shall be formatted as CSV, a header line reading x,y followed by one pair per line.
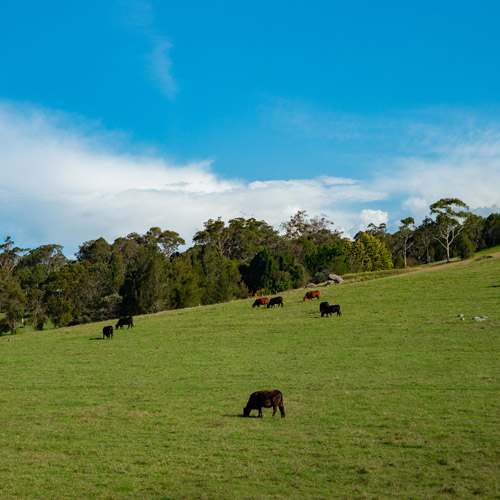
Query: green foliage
x,y
219,275
464,246
144,289
424,235
94,251
451,216
280,281
322,257
316,230
260,271
368,253
183,282
491,230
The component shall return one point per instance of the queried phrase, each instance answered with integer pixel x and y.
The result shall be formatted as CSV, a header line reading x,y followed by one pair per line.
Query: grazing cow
x,y
129,321
329,310
323,305
262,301
275,301
107,332
265,399
314,294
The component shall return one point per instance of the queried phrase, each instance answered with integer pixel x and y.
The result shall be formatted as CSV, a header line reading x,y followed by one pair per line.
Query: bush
x,y
281,281
464,247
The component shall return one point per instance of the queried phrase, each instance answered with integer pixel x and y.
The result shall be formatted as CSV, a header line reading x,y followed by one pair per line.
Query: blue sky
x,y
117,116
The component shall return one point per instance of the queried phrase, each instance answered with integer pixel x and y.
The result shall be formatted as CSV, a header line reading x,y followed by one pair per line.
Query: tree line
x,y
139,274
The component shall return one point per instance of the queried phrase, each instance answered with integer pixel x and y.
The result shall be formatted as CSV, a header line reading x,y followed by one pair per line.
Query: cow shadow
x,y
241,416
96,338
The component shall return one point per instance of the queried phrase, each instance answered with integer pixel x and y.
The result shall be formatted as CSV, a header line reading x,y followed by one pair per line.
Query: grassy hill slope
x,y
398,398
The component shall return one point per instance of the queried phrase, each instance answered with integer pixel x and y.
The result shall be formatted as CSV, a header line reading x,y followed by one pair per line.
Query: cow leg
x,y
274,410
260,412
282,411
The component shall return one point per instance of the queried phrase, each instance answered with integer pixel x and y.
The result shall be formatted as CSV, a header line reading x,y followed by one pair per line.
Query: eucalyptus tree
x,y
213,233
10,256
406,235
317,229
36,266
243,238
168,241
451,217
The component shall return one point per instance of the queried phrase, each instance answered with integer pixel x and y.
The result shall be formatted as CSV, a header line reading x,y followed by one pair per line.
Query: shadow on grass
x,y
96,338
241,416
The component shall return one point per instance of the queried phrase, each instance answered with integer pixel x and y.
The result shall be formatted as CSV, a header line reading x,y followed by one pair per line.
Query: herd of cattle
x,y
258,399
324,308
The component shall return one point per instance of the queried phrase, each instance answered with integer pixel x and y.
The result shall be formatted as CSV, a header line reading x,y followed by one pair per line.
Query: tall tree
x,y
183,281
424,236
406,235
367,253
37,265
491,230
213,233
451,216
167,241
318,229
259,273
10,256
243,238
144,288
16,303
94,251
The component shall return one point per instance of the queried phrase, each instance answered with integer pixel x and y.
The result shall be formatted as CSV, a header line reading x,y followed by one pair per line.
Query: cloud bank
x,y
66,184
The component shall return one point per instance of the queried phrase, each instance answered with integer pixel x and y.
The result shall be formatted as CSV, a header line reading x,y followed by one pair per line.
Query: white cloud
x,y
137,16
161,65
62,185
66,184
473,177
368,216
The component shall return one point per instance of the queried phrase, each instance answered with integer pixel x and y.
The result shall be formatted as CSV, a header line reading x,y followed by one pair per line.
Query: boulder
x,y
335,279
479,318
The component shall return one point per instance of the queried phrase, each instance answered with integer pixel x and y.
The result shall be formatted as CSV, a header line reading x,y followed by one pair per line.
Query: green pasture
x,y
397,399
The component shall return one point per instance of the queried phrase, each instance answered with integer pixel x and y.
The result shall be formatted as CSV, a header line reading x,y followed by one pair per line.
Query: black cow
x,y
266,399
322,306
329,310
275,301
129,321
107,332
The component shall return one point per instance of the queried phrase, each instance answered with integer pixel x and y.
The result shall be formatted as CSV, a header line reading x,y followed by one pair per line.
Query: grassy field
x,y
398,398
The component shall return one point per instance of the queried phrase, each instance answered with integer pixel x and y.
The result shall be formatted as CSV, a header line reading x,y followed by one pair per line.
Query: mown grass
x,y
398,398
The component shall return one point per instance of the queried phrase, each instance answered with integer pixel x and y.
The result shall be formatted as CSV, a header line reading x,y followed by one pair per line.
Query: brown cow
x,y
265,399
262,301
314,294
